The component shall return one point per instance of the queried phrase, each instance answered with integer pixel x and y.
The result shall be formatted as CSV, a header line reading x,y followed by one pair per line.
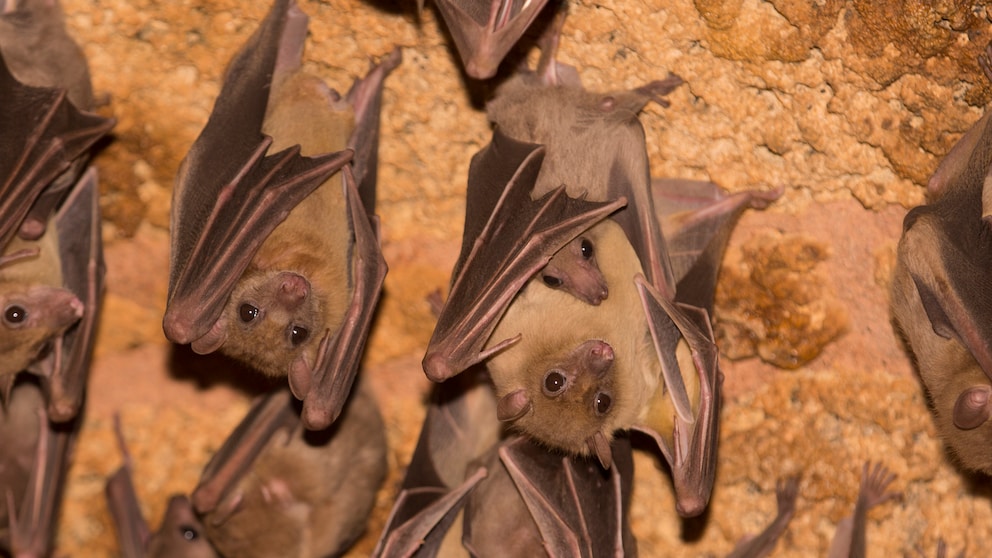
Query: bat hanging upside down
x,y
275,256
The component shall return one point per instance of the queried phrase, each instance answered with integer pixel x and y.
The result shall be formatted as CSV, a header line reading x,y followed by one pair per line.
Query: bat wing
x,y
693,458
83,269
508,238
697,218
485,30
949,276
133,533
579,508
271,413
438,477
340,355
33,524
43,133
229,195
365,96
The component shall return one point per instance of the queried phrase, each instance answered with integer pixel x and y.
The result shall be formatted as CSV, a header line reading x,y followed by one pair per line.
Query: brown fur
x,y
307,495
584,132
946,366
34,284
553,323
313,242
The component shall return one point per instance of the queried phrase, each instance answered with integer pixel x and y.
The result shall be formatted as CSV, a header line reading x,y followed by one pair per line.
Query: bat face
x,y
575,270
31,318
577,387
181,533
579,372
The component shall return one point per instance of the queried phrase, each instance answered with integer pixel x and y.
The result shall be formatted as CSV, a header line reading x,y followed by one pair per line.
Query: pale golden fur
x,y
314,241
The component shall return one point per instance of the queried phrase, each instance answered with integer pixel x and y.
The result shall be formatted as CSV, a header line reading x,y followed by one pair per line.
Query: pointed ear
x,y
601,447
300,377
213,339
973,407
512,406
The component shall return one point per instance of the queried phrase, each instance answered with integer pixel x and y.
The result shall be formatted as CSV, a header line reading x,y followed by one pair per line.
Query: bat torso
x,y
313,242
308,494
552,322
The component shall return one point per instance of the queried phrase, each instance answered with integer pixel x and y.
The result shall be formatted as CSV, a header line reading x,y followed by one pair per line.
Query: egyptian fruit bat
x,y
942,294
275,256
849,540
484,31
272,489
275,489
470,491
46,139
49,295
524,204
33,466
39,415
181,534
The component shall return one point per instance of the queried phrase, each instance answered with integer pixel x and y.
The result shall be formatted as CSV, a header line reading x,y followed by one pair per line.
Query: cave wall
x,y
846,104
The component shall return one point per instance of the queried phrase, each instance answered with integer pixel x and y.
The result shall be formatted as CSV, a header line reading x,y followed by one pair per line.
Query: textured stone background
x,y
847,104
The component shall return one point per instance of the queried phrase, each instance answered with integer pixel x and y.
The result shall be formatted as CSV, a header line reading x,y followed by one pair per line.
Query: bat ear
x,y
973,407
513,405
601,447
212,340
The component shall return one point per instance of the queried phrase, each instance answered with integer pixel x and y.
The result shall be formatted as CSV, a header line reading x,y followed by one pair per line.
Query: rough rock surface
x,y
848,104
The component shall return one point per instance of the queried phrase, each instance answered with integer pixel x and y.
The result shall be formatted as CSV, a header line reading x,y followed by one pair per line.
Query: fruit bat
x,y
47,135
42,399
50,292
33,466
484,31
524,204
786,491
470,489
275,257
849,540
272,489
181,533
941,293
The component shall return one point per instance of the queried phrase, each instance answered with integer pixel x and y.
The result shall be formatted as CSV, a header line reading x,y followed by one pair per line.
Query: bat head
x,y
566,400
29,319
271,319
575,270
181,533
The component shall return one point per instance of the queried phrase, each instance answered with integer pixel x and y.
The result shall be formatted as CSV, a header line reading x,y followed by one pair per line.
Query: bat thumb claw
x,y
600,446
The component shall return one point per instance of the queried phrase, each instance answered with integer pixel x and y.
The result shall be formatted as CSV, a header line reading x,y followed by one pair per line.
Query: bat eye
x,y
587,249
15,314
551,281
247,313
298,335
554,383
603,403
188,533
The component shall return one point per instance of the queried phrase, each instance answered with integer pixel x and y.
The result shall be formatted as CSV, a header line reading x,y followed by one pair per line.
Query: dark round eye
x,y
587,250
188,533
554,382
247,312
551,281
15,314
298,335
603,403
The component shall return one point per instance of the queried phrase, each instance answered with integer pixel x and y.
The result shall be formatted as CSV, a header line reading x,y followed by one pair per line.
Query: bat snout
x,y
293,289
600,356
